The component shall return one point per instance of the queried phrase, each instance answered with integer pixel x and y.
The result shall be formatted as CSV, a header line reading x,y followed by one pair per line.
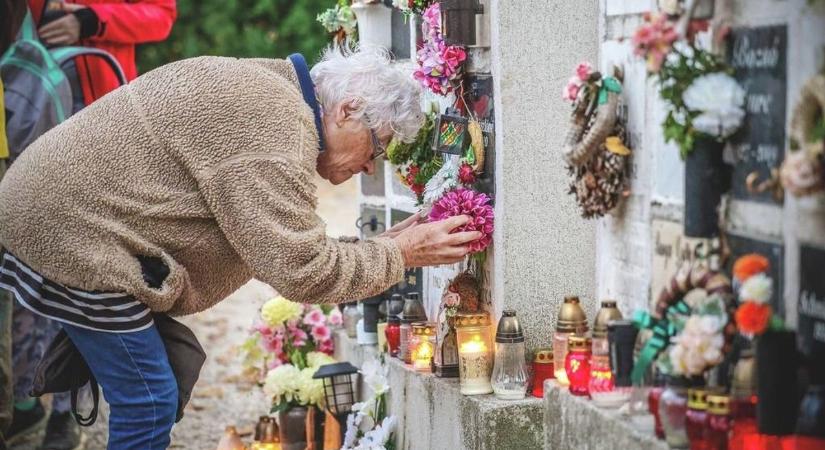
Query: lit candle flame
x,y
475,345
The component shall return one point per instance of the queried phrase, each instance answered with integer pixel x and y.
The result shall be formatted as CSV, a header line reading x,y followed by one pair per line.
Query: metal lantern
x,y
475,353
339,390
445,361
458,21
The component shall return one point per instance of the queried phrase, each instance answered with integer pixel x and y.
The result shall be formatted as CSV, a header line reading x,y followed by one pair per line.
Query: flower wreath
x,y
439,64
416,161
802,171
674,302
595,150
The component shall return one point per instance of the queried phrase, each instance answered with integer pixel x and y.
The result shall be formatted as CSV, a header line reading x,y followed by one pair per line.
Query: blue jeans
x,y
137,381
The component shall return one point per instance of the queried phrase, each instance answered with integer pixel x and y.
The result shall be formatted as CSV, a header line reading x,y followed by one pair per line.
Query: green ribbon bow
x,y
663,330
609,84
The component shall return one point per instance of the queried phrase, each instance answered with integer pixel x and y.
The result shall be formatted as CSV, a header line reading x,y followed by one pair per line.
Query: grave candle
x,y
475,355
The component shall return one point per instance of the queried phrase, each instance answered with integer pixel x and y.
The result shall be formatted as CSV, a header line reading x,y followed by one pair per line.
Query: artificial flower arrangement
x,y
410,7
439,64
368,426
340,21
755,315
692,311
288,343
699,340
416,161
595,150
462,294
803,170
704,100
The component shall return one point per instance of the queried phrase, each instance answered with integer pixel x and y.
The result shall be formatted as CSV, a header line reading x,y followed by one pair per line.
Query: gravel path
x,y
221,396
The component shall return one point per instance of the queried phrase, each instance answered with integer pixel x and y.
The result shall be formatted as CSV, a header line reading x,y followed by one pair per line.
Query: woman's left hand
x,y
63,31
409,222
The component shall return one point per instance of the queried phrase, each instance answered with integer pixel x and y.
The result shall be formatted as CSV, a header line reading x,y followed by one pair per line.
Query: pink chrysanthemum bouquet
x,y
468,202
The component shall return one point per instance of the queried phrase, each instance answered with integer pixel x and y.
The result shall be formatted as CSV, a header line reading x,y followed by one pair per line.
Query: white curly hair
x,y
384,95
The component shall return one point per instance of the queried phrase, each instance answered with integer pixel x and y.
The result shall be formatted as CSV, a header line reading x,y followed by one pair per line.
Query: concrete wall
x,y
543,249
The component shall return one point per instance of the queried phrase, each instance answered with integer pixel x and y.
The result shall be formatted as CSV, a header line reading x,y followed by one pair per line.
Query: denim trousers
x,y
137,381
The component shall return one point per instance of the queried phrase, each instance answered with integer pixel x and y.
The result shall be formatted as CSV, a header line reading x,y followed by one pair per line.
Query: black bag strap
x,y
92,417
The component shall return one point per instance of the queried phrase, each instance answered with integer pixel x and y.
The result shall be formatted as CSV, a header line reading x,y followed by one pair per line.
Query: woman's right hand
x,y
431,244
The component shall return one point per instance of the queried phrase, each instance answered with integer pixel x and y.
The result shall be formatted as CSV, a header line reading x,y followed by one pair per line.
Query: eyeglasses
x,y
378,149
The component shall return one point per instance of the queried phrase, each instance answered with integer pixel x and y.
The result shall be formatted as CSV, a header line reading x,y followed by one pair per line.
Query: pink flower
x,y
327,347
276,362
654,39
262,328
273,343
315,317
466,174
299,337
335,317
468,202
432,15
321,333
584,70
571,91
451,299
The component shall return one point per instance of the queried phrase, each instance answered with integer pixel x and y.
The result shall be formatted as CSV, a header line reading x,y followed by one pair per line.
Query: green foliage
x,y
674,78
240,28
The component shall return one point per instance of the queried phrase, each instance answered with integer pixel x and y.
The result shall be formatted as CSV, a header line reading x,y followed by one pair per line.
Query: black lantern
x,y
339,390
458,21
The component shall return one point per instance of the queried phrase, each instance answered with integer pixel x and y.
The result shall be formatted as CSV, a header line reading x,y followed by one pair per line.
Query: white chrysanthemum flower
x,y
758,288
443,181
719,99
283,382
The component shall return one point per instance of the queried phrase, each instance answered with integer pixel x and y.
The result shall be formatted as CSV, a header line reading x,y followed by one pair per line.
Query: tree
x,y
240,28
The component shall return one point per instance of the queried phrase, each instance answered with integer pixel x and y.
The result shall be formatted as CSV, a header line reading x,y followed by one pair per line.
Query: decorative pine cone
x,y
598,185
466,286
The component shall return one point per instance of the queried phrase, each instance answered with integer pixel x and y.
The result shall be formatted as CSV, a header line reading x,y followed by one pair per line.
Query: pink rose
x,y
451,299
321,333
335,317
315,317
584,70
571,91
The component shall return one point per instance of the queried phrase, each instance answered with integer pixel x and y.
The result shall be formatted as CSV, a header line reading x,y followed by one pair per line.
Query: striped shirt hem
x,y
99,311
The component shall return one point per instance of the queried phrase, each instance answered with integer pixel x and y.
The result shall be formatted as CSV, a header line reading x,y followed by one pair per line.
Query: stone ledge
x,y
572,422
433,414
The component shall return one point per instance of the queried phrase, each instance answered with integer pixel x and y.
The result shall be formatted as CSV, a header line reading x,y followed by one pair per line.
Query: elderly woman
x,y
170,193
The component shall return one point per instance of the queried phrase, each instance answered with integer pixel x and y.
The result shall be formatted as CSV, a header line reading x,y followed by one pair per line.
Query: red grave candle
x,y
577,364
717,432
696,419
542,370
653,406
393,334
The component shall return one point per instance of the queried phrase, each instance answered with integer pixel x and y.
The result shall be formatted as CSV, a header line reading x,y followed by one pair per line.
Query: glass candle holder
x,y
393,335
602,389
422,346
510,376
381,331
351,318
654,397
673,409
745,434
696,419
475,353
717,431
577,364
542,370
413,312
571,320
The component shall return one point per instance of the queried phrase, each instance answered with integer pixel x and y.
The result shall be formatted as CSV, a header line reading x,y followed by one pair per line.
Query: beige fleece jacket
x,y
207,163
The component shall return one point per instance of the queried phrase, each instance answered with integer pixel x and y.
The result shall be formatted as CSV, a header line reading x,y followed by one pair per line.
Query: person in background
x,y
116,27
11,16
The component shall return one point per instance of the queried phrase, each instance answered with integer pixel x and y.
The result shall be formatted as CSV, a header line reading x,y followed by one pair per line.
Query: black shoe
x,y
62,433
26,423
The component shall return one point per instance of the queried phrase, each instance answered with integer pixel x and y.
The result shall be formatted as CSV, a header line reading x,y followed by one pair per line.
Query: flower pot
x,y
707,177
293,428
776,382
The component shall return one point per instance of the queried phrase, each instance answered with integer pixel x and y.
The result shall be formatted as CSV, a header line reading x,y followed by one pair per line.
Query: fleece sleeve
x,y
265,207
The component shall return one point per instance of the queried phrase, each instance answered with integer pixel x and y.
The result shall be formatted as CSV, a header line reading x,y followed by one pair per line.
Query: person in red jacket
x,y
115,26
